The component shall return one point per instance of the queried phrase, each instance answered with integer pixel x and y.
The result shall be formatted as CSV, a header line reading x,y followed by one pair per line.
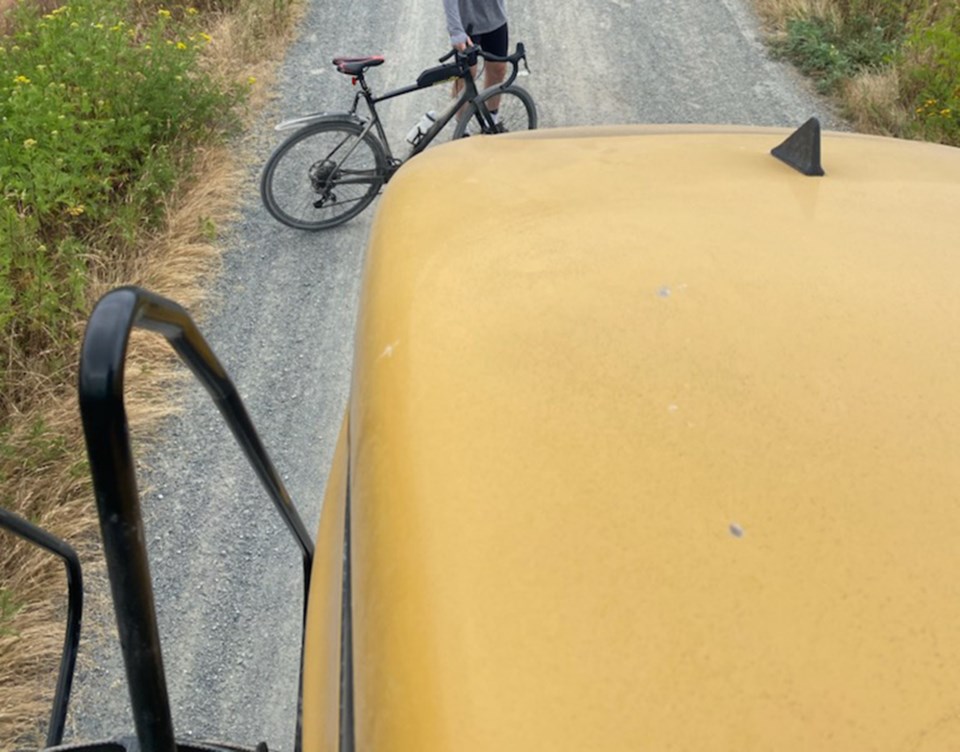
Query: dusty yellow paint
x,y
321,650
655,447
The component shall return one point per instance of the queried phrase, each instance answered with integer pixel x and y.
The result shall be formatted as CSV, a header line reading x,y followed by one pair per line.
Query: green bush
x,y
830,52
931,79
97,110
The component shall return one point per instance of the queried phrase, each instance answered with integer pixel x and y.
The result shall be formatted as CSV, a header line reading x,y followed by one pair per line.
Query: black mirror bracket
x,y
111,462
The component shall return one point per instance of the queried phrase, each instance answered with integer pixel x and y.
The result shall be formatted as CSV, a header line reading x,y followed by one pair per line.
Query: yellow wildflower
x,y
21,80
29,143
192,11
76,211
206,37
945,112
181,46
98,26
163,13
251,81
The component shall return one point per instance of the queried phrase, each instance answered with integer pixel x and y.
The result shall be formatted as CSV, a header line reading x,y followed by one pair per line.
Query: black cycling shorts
x,y
495,42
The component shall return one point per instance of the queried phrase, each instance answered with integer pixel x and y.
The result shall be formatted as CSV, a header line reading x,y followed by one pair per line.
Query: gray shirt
x,y
485,15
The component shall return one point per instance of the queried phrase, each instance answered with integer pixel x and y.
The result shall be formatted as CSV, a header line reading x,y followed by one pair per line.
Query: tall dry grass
x,y
45,479
872,103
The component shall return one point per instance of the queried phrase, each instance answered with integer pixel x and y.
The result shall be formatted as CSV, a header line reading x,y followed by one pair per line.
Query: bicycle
x,y
335,165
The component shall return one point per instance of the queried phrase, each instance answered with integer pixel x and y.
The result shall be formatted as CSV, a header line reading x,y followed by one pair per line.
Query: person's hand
x,y
461,46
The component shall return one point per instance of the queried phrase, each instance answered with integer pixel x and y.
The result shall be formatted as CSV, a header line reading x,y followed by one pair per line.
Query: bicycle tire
x,y
517,113
305,187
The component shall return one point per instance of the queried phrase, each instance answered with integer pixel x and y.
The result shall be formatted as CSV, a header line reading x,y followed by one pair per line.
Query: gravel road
x,y
227,575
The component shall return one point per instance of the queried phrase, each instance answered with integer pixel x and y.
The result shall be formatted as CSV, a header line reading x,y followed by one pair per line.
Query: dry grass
x,y
48,483
872,103
774,13
57,495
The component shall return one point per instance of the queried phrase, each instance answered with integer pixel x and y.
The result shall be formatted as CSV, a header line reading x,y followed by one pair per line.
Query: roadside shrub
x,y
831,50
96,115
931,79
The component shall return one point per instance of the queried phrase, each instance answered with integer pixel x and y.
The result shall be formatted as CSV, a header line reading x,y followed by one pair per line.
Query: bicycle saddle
x,y
355,65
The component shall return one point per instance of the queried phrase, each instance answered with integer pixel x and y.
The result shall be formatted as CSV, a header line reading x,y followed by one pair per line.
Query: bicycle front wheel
x,y
515,112
323,175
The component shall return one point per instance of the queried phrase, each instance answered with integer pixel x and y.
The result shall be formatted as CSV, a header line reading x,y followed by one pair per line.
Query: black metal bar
x,y
396,93
71,639
111,462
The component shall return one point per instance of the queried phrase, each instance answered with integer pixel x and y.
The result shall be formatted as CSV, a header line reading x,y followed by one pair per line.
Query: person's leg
x,y
495,42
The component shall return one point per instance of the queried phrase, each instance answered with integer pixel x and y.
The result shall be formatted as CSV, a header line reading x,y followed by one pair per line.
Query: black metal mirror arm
x,y
39,537
111,463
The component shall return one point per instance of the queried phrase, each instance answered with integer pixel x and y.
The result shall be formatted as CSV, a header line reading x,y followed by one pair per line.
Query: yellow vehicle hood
x,y
655,445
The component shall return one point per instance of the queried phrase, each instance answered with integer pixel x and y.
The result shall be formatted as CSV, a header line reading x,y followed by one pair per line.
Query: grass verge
x,y
116,168
894,65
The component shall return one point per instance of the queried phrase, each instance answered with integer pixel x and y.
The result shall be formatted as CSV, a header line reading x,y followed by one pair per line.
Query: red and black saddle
x,y
354,66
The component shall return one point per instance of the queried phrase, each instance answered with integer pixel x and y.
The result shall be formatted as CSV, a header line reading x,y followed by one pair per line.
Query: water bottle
x,y
416,133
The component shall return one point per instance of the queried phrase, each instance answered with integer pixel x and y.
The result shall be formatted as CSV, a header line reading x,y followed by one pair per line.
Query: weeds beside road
x,y
114,122
893,64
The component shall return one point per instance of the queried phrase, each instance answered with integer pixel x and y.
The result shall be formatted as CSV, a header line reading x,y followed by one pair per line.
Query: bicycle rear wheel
x,y
516,112
323,175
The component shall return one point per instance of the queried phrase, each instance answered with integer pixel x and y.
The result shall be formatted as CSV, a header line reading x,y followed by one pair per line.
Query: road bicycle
x,y
334,166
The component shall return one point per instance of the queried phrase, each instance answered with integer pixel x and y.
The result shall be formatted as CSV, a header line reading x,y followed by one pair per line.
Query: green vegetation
x,y
116,164
930,78
98,110
911,46
832,54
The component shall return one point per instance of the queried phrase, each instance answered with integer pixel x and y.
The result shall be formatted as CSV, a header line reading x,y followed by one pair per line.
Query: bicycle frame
x,y
461,69
469,93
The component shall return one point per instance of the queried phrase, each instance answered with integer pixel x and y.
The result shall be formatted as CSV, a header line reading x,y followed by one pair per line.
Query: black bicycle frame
x,y
469,93
111,463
